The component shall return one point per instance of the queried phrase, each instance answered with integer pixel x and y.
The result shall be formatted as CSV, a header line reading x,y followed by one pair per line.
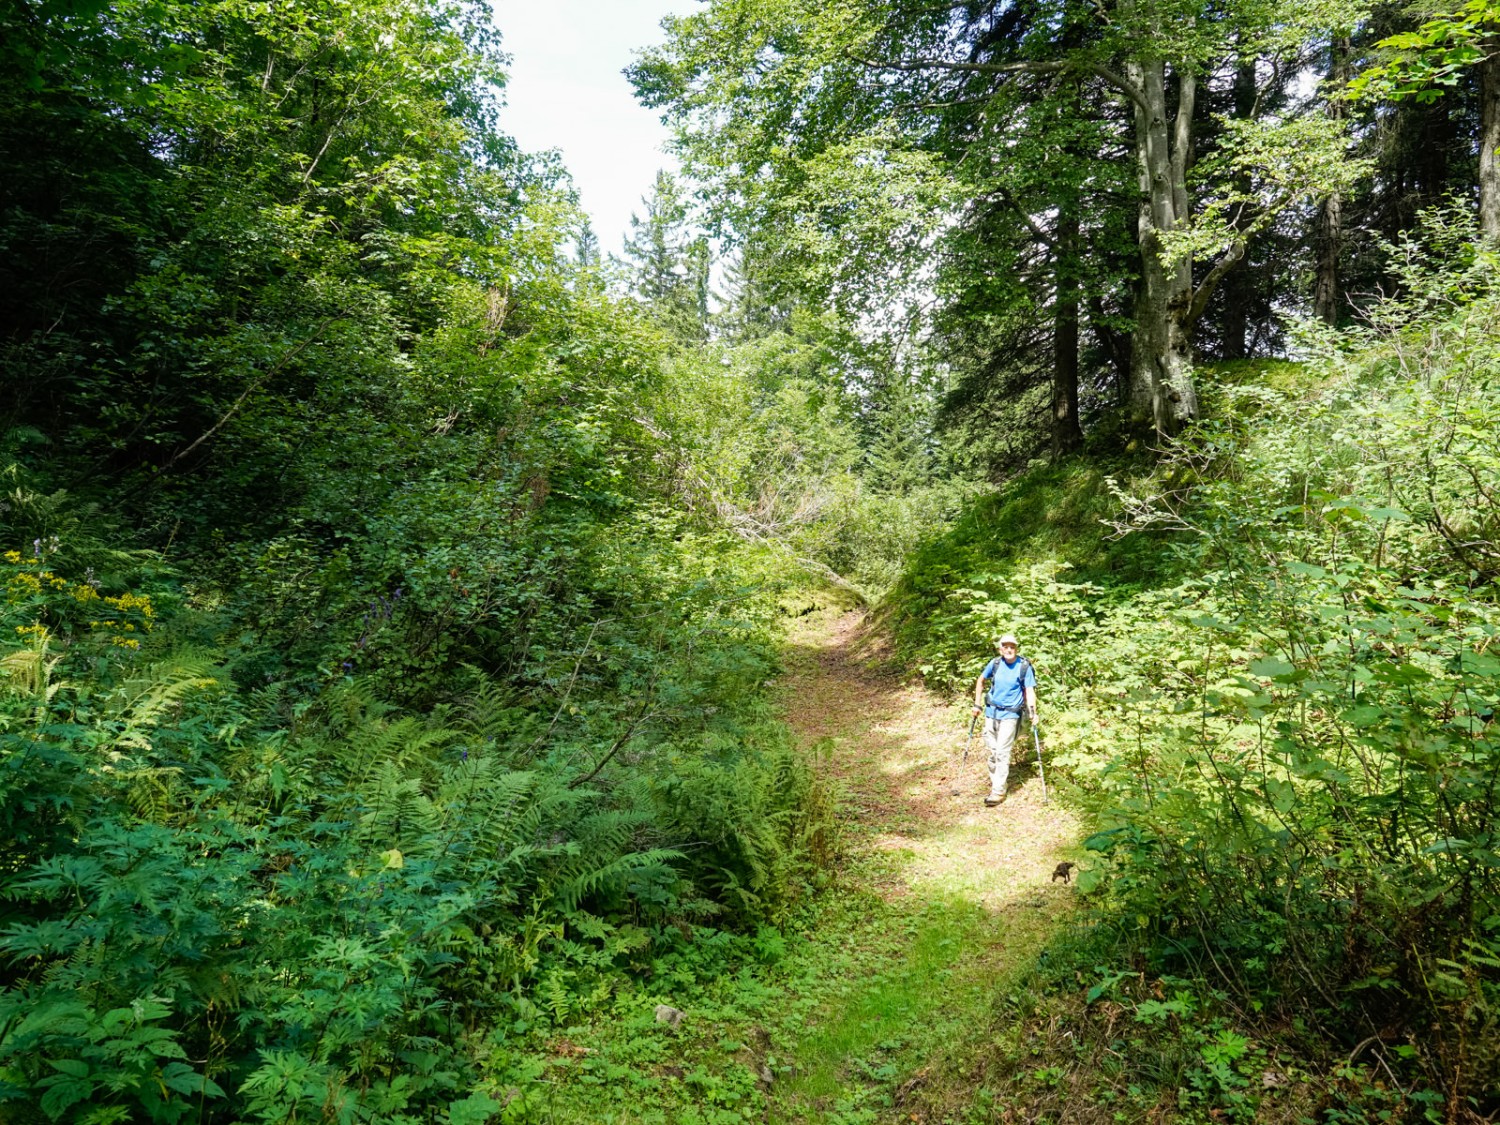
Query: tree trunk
x,y
1330,234
1489,144
1328,242
1067,436
1115,345
1234,336
1234,325
1161,374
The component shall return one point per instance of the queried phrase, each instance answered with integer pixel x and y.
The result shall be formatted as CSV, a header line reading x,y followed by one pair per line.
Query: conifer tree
x,y
668,263
587,246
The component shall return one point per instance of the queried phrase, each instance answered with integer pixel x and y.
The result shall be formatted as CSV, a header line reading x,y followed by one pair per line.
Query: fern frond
x,y
145,700
576,889
27,671
488,712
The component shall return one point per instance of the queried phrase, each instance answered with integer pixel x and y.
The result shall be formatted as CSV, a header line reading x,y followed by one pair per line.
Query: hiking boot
x,y
994,799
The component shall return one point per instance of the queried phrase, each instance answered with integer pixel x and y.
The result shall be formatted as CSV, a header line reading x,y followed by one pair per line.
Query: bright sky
x,y
566,92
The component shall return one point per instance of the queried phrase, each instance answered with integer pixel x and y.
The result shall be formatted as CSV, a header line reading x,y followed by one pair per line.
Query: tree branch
x,y
248,391
1041,235
1232,257
1182,140
636,721
1098,70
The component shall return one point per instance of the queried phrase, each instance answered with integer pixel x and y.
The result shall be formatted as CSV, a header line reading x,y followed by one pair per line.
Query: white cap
x,y
1008,639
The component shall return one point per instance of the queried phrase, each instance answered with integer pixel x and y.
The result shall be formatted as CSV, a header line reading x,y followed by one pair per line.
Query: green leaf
x,y
1271,668
1103,841
1282,794
64,1092
1364,715
185,1080
1451,844
476,1109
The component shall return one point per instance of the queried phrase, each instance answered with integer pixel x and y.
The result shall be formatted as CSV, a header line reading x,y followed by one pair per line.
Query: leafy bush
x,y
320,912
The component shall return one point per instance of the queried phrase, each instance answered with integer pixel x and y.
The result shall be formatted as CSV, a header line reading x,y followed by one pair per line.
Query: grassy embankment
x,y
1272,685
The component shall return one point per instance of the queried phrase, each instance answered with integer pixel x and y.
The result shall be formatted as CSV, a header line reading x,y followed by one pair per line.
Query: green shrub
x,y
1271,674
315,896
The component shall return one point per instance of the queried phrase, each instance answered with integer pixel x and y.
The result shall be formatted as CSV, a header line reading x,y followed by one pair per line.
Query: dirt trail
x,y
897,748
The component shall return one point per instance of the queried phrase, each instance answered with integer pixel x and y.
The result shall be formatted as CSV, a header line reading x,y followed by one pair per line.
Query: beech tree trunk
x,y
1489,143
1161,377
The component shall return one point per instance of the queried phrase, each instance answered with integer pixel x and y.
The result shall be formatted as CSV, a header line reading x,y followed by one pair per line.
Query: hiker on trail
x,y
1012,689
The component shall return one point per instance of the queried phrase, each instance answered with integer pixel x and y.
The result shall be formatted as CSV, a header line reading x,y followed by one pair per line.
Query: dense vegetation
x,y
368,687
392,580
1276,685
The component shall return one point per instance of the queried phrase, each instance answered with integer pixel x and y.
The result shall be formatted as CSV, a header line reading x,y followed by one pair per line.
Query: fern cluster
x,y
263,904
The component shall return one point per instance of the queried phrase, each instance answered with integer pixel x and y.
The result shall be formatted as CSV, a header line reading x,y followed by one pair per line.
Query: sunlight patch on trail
x,y
915,805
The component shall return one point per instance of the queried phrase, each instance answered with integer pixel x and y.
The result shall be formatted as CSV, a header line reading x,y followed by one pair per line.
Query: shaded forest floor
x,y
873,998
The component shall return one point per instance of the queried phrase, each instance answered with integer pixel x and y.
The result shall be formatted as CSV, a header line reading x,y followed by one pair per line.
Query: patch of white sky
x,y
566,91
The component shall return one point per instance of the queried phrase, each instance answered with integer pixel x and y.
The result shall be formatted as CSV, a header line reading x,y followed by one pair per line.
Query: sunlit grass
x,y
939,903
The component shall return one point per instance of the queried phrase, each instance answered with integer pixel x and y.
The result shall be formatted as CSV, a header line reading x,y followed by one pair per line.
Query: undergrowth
x,y
1269,673
833,1017
230,903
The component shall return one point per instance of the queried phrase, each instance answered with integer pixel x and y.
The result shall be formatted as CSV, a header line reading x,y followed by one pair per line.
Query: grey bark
x,y
1489,143
1161,377
1328,242
1167,306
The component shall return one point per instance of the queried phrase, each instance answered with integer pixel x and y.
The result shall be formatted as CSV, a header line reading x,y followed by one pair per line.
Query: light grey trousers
x,y
999,738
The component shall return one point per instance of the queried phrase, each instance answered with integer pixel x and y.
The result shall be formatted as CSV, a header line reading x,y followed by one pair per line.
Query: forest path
x,y
872,1000
897,751
958,897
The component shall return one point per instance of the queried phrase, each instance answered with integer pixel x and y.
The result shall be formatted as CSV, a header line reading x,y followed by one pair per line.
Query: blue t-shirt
x,y
1007,684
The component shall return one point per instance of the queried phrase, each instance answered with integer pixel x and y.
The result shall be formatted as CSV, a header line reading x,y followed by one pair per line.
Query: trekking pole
x,y
972,723
1040,772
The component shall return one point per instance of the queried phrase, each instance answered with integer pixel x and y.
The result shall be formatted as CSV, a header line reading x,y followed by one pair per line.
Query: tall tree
x,y
587,245
741,71
668,262
214,211
1328,238
1444,52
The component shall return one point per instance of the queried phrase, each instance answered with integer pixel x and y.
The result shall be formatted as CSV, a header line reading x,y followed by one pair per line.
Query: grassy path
x,y
961,896
866,1008
913,807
